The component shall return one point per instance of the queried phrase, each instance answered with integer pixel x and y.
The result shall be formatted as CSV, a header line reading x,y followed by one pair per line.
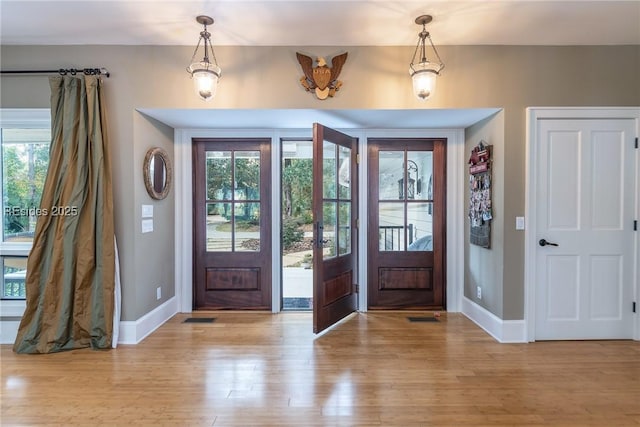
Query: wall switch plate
x,y
479,292
519,223
147,211
158,292
147,225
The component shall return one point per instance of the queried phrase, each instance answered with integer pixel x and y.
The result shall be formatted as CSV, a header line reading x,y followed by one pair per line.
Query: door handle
x,y
319,241
543,242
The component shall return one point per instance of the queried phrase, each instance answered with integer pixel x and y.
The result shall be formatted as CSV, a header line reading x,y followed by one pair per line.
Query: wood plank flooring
x,y
373,369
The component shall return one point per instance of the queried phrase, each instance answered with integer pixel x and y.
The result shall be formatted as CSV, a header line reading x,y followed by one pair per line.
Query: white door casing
x,y
184,213
584,172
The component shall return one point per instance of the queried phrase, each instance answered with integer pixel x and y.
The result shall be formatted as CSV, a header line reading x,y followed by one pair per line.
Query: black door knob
x,y
543,242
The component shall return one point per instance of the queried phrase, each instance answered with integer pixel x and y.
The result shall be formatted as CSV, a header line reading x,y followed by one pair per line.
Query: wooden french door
x,y
335,209
406,236
232,224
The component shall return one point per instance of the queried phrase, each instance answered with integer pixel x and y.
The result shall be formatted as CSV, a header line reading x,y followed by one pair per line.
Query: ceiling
x,y
320,23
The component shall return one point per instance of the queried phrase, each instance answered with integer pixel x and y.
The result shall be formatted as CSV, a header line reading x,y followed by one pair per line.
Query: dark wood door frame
x,y
231,279
406,279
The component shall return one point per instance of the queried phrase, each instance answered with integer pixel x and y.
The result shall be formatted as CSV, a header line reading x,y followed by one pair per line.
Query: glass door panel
x,y
232,233
391,174
405,176
391,226
420,226
327,229
233,189
334,195
406,220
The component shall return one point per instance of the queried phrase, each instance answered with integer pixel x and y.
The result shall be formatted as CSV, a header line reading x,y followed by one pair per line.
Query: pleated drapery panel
x,y
71,267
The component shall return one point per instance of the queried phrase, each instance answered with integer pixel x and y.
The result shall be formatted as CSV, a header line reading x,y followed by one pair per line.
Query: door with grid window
x,y
232,224
406,236
335,209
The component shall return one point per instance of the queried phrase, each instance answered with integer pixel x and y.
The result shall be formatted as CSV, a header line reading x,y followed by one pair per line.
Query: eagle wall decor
x,y
321,79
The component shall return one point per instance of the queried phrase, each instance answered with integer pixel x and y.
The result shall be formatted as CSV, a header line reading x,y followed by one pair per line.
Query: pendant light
x,y
424,73
205,74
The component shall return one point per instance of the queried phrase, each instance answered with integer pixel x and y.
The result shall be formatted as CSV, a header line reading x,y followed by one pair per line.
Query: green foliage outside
x,y
239,183
291,233
297,186
24,168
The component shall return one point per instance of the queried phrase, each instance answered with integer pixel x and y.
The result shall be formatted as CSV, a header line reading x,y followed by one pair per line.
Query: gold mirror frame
x,y
157,155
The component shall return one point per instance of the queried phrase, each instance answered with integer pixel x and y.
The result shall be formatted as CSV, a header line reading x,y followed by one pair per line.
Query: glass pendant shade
x,y
424,76
205,79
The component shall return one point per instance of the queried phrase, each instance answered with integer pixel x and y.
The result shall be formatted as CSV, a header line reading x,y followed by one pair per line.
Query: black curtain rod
x,y
63,71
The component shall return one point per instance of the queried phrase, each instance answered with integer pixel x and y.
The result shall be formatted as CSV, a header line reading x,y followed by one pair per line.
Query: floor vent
x,y
300,303
422,319
199,320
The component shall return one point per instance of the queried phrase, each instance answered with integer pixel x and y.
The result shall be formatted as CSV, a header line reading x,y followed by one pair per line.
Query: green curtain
x,y
71,267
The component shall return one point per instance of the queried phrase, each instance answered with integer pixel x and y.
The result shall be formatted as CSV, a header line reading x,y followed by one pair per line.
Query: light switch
x,y
147,211
519,223
147,225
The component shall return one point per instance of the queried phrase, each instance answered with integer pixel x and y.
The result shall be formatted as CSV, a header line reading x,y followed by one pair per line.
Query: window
x,y
233,201
405,204
25,136
14,270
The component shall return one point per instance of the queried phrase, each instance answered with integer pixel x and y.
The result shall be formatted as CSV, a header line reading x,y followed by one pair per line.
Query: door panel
x,y
406,224
585,206
232,225
334,215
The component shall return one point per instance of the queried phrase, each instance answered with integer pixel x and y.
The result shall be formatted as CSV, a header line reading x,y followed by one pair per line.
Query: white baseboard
x,y
504,331
11,312
132,332
8,331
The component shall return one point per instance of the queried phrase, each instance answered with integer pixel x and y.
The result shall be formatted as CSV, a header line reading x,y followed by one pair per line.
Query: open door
x,y
335,195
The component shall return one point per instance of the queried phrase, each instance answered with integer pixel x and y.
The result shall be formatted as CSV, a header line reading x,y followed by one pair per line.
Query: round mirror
x,y
157,173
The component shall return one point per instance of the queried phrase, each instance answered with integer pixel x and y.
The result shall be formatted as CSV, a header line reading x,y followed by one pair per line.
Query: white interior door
x,y
585,206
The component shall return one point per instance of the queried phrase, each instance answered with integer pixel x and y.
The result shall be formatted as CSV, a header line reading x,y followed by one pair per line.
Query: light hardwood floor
x,y
374,369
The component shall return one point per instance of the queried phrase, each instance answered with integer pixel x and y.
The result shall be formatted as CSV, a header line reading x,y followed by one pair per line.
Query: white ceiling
x,y
320,23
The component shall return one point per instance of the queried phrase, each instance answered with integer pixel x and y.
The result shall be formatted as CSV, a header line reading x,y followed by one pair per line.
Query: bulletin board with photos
x,y
480,214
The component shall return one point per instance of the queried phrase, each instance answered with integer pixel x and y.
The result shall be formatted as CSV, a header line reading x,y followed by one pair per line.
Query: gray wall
x,y
483,266
510,77
155,251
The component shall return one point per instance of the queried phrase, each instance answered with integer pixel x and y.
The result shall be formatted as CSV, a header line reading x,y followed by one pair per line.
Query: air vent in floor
x,y
422,319
199,320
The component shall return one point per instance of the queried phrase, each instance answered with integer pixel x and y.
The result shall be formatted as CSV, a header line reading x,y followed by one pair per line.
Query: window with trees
x,y
233,201
24,159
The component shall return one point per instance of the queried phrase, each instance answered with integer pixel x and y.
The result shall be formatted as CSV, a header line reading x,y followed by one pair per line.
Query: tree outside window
x,y
24,157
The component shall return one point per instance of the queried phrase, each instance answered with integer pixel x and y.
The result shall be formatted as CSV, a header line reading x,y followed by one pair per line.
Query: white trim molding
x,y
133,332
11,311
130,332
532,116
9,331
504,331
184,209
